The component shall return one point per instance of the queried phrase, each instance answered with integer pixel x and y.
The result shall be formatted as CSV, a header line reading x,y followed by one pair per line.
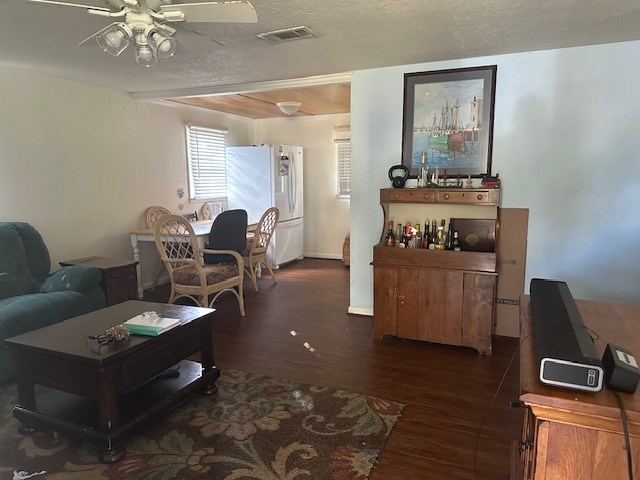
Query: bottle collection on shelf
x,y
433,237
435,181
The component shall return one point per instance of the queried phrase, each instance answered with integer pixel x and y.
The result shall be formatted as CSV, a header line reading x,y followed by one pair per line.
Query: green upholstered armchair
x,y
31,297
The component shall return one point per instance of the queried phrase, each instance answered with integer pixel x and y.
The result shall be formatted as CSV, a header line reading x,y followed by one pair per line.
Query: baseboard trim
x,y
161,281
327,256
360,311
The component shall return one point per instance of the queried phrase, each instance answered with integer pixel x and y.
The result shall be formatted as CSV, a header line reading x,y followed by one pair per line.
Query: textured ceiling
x,y
353,35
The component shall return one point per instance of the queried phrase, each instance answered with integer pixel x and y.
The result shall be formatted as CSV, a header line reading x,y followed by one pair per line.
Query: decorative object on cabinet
x,y
398,181
491,182
475,234
448,115
440,296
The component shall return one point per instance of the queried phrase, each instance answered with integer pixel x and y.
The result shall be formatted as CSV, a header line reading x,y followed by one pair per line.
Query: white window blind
x,y
344,168
206,152
341,137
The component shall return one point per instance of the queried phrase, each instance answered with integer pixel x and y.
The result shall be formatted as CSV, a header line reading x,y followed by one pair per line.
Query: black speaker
x,y
563,346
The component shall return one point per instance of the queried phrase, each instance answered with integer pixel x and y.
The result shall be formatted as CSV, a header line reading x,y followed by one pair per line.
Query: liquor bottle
x,y
418,234
456,242
422,182
400,229
434,236
390,238
401,236
449,240
426,235
407,232
407,235
442,236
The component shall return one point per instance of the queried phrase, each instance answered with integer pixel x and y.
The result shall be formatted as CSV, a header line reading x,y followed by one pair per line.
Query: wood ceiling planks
x,y
316,100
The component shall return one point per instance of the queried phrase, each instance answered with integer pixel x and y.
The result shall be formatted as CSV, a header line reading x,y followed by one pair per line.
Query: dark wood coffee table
x,y
68,383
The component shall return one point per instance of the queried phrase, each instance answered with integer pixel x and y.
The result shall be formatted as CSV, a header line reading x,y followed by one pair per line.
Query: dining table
x,y
201,228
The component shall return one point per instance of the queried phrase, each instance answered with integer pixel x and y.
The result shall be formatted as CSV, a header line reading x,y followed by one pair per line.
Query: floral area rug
x,y
255,427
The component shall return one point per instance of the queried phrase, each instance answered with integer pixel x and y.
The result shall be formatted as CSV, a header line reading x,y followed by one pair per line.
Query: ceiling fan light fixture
x,y
115,40
145,56
288,108
145,23
164,46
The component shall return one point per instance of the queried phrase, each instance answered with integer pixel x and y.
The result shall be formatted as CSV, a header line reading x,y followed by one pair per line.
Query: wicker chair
x,y
151,217
256,251
154,213
190,278
210,210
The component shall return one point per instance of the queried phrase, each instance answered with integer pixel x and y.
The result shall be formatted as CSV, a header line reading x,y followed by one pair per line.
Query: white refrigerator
x,y
260,177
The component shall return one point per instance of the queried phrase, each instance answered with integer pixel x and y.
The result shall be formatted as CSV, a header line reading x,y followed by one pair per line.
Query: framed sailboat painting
x,y
448,121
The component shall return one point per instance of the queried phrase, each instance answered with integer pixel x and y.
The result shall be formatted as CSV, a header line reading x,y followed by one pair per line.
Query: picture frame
x,y
448,115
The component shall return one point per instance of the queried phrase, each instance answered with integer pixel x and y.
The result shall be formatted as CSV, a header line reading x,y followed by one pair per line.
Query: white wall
x,y
566,146
326,215
82,163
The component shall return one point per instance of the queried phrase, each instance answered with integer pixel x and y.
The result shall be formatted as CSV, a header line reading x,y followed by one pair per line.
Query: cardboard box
x,y
512,258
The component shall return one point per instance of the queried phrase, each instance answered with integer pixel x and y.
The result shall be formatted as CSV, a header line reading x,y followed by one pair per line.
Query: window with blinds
x,y
206,151
344,168
342,138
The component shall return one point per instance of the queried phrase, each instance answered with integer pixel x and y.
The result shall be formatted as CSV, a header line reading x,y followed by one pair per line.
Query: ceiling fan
x,y
145,23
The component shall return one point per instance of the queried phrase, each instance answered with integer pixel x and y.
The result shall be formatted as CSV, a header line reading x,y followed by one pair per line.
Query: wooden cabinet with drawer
x,y
438,296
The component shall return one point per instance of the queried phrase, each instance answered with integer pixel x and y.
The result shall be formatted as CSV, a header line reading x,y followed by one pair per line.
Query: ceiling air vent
x,y
287,34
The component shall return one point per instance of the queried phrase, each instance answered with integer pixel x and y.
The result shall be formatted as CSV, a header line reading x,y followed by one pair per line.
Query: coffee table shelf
x,y
79,416
68,384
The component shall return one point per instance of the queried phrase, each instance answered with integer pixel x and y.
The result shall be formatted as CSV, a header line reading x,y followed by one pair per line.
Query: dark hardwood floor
x,y
299,329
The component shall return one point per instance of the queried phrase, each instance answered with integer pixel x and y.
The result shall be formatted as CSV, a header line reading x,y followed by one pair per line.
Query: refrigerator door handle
x,y
292,184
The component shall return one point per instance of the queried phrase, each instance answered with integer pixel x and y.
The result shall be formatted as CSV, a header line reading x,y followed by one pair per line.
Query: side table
x,y
119,281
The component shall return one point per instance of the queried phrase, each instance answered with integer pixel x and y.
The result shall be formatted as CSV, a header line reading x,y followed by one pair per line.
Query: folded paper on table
x,y
142,325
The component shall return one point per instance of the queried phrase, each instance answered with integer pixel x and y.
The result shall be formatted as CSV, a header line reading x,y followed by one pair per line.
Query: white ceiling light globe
x,y
145,56
165,46
114,38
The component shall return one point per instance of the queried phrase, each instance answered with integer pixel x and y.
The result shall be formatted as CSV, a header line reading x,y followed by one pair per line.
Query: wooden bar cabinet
x,y
440,296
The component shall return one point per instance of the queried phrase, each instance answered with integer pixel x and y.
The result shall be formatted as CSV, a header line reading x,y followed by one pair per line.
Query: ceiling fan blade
x,y
69,4
88,41
235,11
196,42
